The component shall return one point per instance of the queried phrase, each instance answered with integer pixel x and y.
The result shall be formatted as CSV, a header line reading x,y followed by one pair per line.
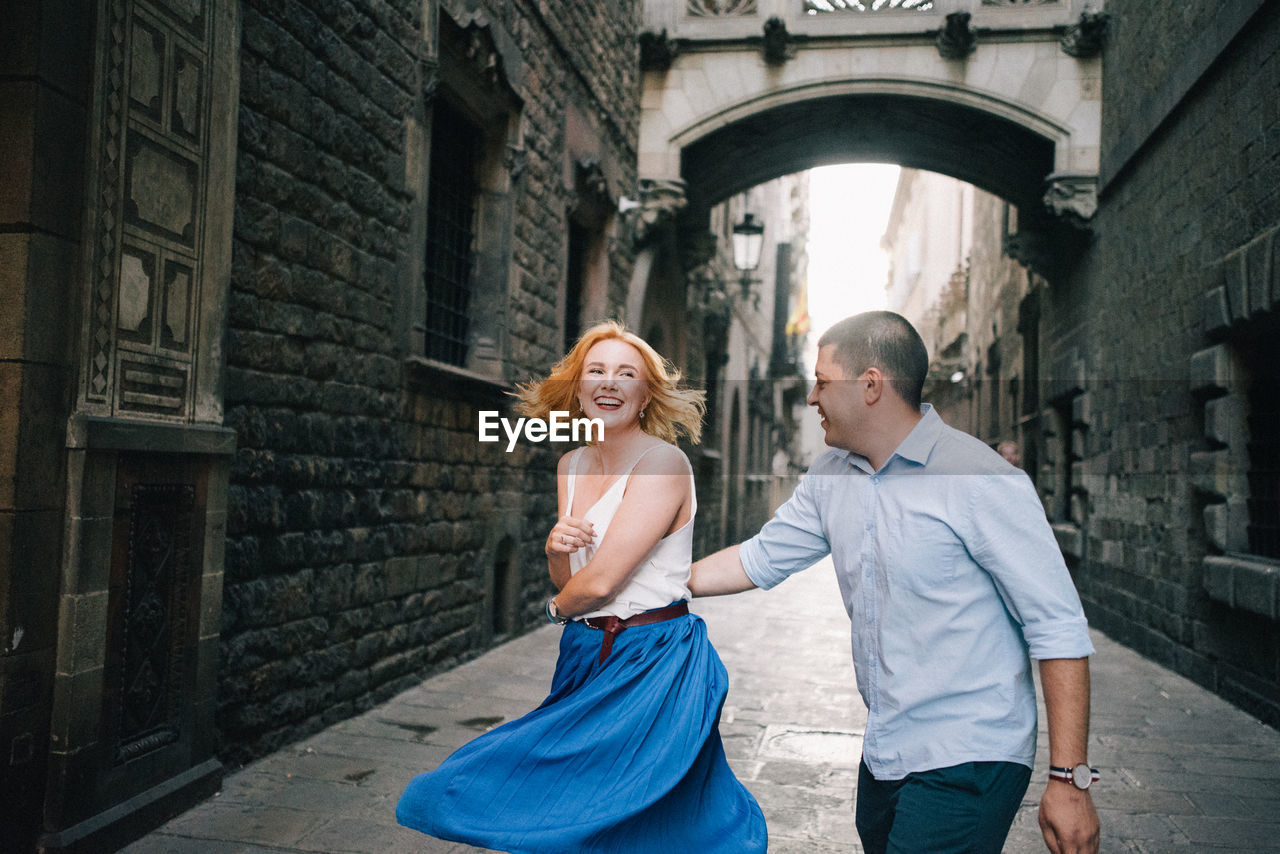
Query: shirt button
x,y
875,478
871,526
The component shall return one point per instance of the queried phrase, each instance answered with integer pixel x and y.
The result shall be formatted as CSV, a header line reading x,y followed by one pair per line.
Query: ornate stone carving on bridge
x,y
715,8
1072,198
660,201
956,39
1084,38
657,51
817,7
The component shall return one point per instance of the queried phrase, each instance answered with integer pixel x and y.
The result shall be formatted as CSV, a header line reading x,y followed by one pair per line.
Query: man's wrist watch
x,y
1081,776
553,615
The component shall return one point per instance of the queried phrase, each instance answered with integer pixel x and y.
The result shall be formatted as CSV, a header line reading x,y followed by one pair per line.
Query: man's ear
x,y
874,389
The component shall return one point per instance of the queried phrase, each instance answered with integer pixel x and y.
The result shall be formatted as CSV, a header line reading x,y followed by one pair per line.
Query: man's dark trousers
x,y
962,809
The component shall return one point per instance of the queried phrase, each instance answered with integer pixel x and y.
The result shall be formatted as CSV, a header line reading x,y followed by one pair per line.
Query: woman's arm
x,y
658,488
568,534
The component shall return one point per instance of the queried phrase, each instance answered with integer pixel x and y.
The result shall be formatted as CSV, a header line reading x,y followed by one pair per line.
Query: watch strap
x,y
1067,775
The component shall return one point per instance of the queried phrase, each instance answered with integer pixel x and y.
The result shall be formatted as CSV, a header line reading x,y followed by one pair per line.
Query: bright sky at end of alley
x,y
848,210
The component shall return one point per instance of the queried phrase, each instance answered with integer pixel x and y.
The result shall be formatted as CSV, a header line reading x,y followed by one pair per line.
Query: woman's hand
x,y
569,534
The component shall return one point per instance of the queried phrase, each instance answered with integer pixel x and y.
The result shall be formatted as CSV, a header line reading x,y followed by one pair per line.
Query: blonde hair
x,y
669,412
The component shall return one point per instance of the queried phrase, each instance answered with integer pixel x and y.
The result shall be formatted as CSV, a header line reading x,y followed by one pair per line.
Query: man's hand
x,y
1068,819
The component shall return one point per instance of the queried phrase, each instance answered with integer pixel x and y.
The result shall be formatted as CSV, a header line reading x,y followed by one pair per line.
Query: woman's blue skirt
x,y
623,756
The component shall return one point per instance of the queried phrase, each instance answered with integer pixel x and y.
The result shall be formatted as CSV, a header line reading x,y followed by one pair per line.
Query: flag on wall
x,y
798,322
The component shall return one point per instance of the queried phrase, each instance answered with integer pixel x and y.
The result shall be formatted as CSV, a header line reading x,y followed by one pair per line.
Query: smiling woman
x,y
625,754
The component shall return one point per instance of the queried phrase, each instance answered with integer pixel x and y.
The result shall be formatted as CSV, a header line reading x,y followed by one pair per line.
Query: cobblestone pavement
x,y
1183,770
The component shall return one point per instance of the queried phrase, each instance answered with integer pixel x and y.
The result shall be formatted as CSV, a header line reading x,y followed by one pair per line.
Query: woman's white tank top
x,y
663,575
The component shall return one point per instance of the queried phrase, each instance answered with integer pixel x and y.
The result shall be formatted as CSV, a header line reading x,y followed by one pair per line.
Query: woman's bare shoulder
x,y
566,461
663,458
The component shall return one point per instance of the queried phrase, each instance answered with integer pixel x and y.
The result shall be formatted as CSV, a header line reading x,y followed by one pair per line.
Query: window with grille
x,y
450,250
1264,446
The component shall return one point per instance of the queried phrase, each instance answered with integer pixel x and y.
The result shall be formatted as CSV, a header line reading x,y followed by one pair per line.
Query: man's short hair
x,y
884,340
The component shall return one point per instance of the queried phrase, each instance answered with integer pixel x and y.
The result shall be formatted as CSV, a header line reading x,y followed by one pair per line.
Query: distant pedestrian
x,y
1010,451
624,755
954,582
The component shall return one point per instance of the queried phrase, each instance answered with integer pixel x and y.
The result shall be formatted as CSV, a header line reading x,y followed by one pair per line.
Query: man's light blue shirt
x,y
953,581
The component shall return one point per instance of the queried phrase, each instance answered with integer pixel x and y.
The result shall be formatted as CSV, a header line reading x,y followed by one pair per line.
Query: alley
x,y
1183,770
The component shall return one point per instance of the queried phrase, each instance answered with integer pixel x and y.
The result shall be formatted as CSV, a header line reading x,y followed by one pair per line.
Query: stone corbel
x,y
589,179
660,201
513,161
697,255
1072,198
777,42
697,249
429,71
956,39
657,50
1084,38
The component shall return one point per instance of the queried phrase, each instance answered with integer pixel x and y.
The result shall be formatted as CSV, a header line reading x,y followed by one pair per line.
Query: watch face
x,y
1082,776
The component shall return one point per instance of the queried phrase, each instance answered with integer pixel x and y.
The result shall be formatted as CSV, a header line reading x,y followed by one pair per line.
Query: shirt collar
x,y
918,445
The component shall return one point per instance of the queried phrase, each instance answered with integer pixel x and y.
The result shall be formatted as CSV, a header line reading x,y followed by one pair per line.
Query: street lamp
x,y
748,240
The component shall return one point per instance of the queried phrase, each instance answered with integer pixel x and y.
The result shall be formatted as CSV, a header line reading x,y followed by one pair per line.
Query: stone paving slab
x,y
1184,771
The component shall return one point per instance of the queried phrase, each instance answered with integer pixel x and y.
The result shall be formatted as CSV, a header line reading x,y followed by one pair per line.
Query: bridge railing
x,y
719,20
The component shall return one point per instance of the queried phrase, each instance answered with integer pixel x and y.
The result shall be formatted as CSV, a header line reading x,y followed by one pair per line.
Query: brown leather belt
x,y
612,625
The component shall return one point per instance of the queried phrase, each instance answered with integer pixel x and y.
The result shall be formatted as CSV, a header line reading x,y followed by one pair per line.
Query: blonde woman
x,y
624,755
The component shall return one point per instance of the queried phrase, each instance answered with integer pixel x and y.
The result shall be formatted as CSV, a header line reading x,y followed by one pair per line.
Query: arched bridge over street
x,y
1005,95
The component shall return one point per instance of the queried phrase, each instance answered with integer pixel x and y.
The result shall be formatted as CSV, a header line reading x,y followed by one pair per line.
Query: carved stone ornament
x,y
1072,198
697,248
777,41
1084,38
657,51
660,201
589,180
1034,249
513,160
429,74
481,48
956,40
719,8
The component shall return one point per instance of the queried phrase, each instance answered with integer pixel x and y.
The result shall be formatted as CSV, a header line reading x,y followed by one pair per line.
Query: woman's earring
x,y
641,414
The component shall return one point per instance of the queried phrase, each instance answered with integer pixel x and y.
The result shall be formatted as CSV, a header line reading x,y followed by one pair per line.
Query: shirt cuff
x,y
1058,639
757,567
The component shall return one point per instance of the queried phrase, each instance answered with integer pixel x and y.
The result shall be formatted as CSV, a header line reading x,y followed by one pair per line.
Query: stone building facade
x,y
755,377
1161,346
1138,363
268,261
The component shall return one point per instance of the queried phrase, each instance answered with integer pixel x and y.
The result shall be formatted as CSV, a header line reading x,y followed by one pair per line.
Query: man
x,y
954,582
1009,450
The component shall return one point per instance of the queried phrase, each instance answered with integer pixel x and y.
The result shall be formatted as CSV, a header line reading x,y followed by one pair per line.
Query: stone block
x,y
1236,283
1225,421
1256,588
1257,264
77,707
1274,267
1211,371
1218,579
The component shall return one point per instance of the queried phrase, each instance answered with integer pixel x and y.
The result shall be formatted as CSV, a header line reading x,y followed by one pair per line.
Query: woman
x,y
624,755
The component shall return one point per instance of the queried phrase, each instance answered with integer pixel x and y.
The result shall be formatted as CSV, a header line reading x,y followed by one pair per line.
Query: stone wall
x,y
1202,184
371,538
